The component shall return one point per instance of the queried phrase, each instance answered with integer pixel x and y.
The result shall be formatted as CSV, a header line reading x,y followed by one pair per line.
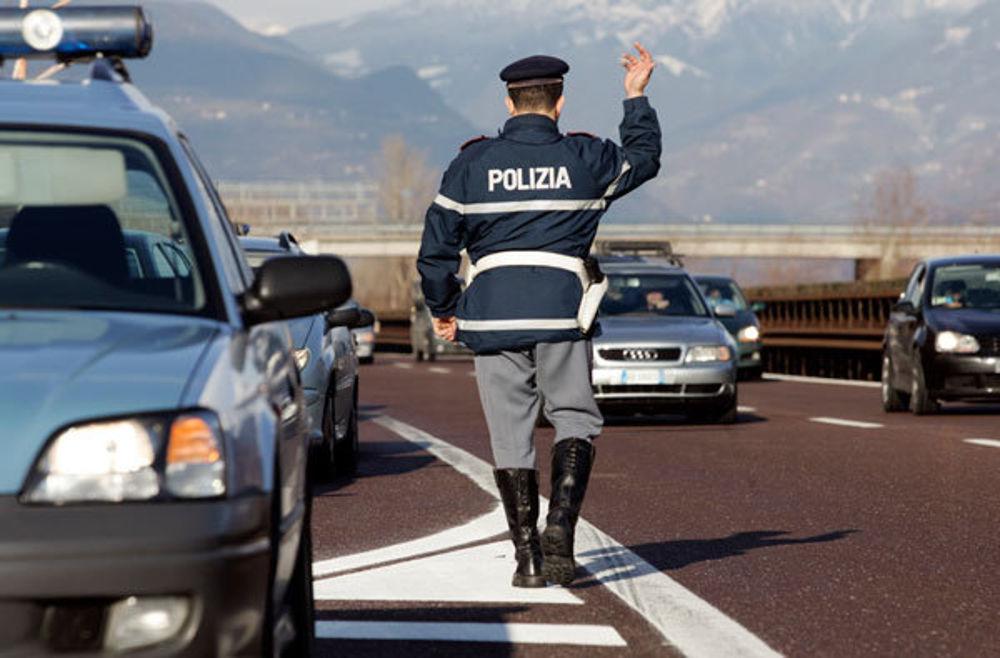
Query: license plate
x,y
648,377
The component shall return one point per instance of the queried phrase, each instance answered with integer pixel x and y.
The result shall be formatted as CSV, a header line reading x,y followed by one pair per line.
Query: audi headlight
x,y
749,334
708,354
131,460
952,342
302,358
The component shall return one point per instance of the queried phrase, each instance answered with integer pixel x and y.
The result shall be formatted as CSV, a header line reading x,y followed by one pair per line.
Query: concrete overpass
x,y
875,249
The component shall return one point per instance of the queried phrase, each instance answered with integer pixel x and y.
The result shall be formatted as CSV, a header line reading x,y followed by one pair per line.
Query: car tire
x,y
367,360
346,451
727,413
325,456
418,354
921,403
724,412
893,400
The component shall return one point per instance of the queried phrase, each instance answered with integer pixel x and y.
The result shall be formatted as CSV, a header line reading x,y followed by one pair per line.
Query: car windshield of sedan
x,y
652,295
718,291
91,222
966,287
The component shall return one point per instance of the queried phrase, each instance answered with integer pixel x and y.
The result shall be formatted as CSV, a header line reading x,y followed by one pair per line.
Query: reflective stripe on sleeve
x,y
518,325
614,184
538,205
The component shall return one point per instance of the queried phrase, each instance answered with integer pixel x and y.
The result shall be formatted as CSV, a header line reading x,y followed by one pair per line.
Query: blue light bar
x,y
74,33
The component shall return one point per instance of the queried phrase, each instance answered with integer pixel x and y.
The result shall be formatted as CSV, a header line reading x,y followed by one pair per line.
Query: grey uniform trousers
x,y
512,385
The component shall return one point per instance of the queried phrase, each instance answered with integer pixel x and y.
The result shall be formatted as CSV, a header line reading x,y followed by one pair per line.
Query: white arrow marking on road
x,y
989,443
843,422
403,365
484,527
571,634
439,370
480,574
689,623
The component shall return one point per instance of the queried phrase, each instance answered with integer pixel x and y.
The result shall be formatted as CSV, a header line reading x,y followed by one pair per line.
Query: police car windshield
x,y
718,291
652,295
966,287
90,222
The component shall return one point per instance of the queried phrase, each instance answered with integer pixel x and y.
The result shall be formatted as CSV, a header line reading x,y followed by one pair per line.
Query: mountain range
x,y
773,110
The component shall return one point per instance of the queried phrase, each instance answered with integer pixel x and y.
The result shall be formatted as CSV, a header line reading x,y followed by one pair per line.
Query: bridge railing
x,y
831,330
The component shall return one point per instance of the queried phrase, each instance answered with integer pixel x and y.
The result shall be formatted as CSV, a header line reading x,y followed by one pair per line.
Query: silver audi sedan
x,y
661,347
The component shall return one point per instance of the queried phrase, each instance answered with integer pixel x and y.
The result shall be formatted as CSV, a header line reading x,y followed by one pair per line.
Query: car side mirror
x,y
343,317
758,307
725,310
366,319
904,306
296,286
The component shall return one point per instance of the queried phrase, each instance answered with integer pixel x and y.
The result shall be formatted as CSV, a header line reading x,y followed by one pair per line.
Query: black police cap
x,y
534,70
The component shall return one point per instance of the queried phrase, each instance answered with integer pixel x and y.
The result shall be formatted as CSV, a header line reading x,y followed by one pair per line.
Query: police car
x,y
661,347
153,490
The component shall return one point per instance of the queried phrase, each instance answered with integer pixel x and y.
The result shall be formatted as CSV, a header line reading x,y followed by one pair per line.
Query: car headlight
x,y
952,342
708,354
749,334
132,460
364,337
302,358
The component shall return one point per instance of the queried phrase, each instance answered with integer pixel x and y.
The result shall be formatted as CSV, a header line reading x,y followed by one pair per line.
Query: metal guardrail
x,y
832,330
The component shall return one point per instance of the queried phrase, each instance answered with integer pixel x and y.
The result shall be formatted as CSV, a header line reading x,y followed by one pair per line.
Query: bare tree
x,y
406,182
896,202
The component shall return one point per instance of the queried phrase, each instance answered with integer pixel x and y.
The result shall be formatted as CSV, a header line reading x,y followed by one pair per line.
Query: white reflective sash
x,y
530,259
518,325
589,302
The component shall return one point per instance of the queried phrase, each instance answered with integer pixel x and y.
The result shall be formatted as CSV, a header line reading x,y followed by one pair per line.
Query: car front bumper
x,y
663,384
963,378
61,568
750,355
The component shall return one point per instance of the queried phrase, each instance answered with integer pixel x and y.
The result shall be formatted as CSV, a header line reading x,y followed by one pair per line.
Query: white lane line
x,y
819,380
746,410
404,365
480,574
439,370
484,527
843,422
988,443
569,634
693,626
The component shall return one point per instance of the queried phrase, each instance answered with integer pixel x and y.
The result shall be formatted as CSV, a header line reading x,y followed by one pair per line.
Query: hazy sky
x,y
260,14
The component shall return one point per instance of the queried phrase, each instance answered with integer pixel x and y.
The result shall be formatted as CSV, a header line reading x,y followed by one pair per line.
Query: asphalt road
x,y
816,526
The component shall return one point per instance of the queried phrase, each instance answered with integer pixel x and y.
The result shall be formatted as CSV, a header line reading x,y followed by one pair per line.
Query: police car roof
x,y
91,104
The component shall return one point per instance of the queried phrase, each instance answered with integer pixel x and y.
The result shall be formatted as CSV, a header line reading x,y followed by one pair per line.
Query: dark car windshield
x,y
652,295
966,286
717,291
91,222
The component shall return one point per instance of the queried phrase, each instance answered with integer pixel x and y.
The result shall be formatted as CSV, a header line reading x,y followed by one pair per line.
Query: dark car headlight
x,y
708,354
132,459
952,342
749,334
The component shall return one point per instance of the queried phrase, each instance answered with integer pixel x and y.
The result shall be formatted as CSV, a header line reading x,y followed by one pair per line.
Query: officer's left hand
x,y
445,328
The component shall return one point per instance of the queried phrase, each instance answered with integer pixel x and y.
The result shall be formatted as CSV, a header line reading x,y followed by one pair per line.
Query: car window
x,y
651,295
966,287
75,214
717,291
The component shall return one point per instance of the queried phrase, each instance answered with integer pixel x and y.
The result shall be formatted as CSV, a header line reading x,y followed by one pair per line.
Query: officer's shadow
x,y
617,563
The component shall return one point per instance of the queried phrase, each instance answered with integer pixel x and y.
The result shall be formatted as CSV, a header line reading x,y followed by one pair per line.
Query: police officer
x,y
526,205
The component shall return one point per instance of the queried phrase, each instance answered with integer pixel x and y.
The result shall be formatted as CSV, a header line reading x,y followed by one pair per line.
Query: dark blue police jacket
x,y
530,189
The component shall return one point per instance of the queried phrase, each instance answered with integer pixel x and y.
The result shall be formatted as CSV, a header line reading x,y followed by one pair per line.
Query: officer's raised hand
x,y
445,328
637,71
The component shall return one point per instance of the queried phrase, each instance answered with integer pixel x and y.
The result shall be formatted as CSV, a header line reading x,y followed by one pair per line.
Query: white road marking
x,y
843,422
819,380
404,365
439,370
480,574
746,410
569,634
690,624
989,443
486,526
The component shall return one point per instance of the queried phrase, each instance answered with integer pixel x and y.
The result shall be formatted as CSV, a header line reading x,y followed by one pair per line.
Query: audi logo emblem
x,y
639,355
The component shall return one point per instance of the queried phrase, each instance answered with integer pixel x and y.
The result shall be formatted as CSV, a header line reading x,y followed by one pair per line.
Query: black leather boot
x,y
519,493
572,460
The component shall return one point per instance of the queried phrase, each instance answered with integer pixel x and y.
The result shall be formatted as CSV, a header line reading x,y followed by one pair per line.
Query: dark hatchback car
x,y
943,339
